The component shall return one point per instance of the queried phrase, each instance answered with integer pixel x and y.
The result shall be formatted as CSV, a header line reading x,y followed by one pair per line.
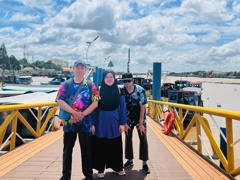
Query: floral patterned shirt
x,y
84,99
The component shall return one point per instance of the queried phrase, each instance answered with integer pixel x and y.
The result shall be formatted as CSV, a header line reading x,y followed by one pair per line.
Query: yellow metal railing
x,y
200,123
199,126
45,112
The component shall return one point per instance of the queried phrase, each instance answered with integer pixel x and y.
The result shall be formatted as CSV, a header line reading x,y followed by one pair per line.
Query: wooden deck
x,y
169,159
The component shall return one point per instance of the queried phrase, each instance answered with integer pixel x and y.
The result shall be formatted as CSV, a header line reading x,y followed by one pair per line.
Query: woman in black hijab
x,y
108,127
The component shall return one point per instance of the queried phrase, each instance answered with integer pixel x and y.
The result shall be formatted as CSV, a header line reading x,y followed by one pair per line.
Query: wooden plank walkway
x,y
169,159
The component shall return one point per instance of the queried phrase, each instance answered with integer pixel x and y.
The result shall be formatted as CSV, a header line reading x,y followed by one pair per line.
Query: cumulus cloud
x,y
183,35
21,17
214,11
226,50
211,37
98,17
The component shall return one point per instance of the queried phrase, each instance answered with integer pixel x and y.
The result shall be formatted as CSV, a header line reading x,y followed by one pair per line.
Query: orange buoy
x,y
169,122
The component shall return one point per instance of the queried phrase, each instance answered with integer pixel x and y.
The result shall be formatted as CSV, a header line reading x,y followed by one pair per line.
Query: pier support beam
x,y
100,75
156,89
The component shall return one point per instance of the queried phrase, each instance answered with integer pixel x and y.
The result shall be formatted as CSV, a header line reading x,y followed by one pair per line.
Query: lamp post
x,y
105,61
88,45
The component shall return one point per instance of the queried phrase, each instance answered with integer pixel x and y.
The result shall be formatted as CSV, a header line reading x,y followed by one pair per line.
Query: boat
x,y
197,84
180,84
183,92
165,88
54,81
29,98
12,93
30,88
18,80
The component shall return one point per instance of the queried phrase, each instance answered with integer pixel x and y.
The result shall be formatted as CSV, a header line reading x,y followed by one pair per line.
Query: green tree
x,y
39,64
24,62
14,64
4,61
47,65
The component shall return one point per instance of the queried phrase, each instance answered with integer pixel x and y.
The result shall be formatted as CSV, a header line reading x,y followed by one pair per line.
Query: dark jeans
x,y
143,147
86,154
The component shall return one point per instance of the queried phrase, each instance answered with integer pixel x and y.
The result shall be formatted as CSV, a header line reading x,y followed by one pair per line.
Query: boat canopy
x,y
30,88
29,98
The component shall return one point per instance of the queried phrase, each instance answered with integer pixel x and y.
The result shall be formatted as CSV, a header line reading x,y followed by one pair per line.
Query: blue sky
x,y
184,35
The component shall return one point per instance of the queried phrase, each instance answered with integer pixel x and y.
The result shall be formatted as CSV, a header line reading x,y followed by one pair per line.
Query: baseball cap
x,y
79,62
127,76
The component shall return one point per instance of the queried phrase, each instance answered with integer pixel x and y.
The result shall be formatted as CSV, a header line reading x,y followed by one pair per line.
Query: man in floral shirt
x,y
77,124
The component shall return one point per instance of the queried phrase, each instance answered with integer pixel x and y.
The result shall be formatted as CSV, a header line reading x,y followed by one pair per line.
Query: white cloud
x,y
226,50
35,3
213,11
211,37
184,35
21,17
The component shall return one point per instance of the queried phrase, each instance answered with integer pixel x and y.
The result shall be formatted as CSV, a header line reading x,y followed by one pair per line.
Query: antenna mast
x,y
25,51
128,60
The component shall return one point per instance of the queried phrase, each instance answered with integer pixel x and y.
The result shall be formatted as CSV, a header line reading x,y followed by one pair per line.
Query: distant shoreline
x,y
205,80
172,79
168,79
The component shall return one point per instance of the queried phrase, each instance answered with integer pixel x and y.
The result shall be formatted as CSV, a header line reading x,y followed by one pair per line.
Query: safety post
x,y
156,89
100,75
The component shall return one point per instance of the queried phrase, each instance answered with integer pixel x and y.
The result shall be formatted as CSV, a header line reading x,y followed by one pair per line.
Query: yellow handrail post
x,y
51,113
230,150
2,132
198,131
39,122
214,145
14,130
207,123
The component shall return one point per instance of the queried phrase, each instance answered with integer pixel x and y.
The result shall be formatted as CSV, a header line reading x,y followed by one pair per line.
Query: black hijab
x,y
110,98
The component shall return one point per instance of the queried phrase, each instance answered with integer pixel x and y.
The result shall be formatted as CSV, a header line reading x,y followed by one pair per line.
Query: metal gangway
x,y
172,156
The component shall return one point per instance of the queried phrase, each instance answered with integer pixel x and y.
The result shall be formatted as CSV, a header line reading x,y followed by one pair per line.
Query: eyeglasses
x,y
127,81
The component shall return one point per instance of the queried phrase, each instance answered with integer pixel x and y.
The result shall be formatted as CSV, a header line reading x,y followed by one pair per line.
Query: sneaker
x,y
100,175
145,169
128,164
120,173
89,177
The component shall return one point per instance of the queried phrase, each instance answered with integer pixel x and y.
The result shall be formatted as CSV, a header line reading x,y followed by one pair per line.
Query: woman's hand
x,y
93,130
121,128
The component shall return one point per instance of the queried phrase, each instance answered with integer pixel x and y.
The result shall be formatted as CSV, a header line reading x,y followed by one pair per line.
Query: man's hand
x,y
76,116
142,129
